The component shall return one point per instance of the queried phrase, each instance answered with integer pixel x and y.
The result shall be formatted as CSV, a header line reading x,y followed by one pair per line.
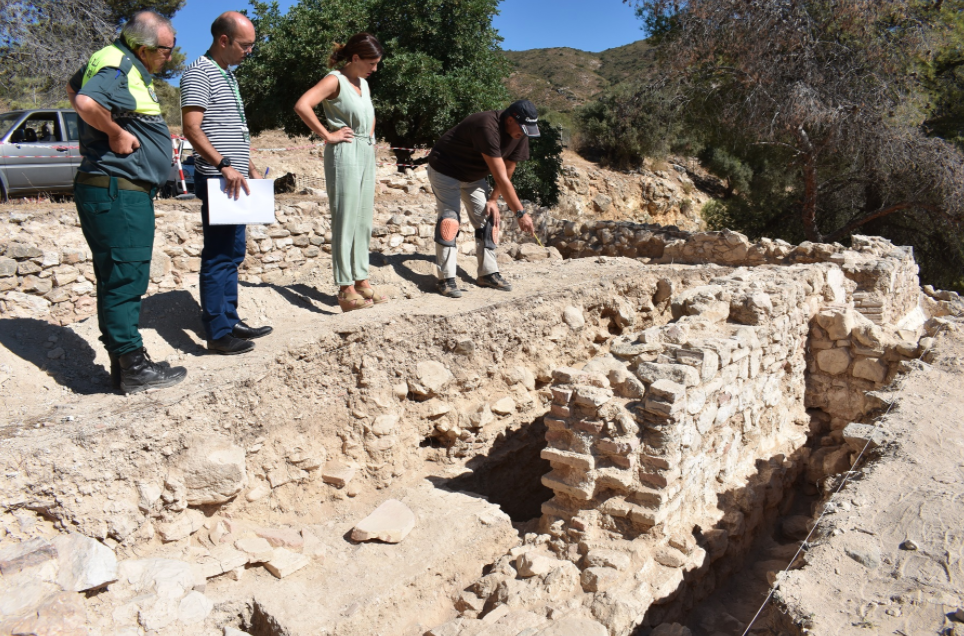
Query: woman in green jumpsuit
x,y
349,162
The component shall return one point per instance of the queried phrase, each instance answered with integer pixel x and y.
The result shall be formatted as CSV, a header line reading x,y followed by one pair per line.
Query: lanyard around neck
x,y
234,89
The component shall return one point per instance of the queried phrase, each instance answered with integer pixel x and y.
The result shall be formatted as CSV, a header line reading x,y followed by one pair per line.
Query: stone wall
x,y
886,275
670,450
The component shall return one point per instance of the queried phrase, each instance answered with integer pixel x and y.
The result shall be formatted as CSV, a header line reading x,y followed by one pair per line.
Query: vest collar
x,y
134,59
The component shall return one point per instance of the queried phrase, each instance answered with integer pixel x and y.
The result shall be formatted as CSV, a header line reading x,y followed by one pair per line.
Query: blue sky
x,y
524,24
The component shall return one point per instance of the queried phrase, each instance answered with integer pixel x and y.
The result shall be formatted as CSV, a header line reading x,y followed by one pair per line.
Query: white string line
x,y
843,482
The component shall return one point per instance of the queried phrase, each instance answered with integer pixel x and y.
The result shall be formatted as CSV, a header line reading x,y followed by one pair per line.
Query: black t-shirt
x,y
458,153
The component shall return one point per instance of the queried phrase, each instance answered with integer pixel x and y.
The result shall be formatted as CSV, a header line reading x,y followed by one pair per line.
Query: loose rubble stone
x,y
858,436
257,549
390,522
573,317
285,562
212,469
85,564
597,579
337,474
505,406
25,555
194,608
168,578
158,616
432,377
536,563
281,537
184,525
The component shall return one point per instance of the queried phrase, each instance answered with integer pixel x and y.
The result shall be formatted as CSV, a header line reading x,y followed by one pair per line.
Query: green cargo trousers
x,y
350,182
119,228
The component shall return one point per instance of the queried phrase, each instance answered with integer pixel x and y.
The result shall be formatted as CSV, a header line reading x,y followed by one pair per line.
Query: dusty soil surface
x,y
888,555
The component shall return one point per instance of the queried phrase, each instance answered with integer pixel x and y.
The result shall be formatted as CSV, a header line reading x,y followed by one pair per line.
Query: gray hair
x,y
142,29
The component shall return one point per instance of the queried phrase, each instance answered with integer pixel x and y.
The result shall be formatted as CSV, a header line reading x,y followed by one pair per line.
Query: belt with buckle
x,y
103,181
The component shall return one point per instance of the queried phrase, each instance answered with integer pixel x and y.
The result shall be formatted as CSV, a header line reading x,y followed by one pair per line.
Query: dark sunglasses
x,y
169,49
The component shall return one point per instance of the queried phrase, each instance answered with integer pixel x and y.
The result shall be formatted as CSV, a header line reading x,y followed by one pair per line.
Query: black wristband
x,y
520,214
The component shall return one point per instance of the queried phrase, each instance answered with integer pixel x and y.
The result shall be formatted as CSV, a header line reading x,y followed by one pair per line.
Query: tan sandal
x,y
352,301
370,294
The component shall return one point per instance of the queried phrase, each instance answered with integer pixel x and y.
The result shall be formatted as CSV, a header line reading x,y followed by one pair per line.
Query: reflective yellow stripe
x,y
142,91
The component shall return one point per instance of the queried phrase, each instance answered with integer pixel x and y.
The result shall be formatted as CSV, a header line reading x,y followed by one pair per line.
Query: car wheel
x,y
3,193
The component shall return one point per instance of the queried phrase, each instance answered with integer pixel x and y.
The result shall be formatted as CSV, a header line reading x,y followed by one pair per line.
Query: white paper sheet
x,y
254,208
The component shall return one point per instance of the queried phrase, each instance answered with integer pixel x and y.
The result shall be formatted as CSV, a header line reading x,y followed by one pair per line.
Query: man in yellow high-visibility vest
x,y
126,149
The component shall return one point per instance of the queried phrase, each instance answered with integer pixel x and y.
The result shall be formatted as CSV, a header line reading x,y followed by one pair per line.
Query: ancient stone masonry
x,y
669,450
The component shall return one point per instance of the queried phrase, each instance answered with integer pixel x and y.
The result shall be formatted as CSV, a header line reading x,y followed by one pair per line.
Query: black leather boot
x,y
138,372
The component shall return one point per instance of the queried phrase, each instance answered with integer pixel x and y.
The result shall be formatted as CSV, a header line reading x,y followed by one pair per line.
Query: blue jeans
x,y
222,254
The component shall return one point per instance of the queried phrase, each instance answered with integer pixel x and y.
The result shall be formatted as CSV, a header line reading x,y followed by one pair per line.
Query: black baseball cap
x,y
526,115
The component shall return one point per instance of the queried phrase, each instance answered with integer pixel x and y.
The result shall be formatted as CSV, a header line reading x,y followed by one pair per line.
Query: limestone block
x,y
670,557
859,436
22,251
650,372
707,301
158,616
607,559
837,323
667,391
872,369
505,406
168,578
598,579
212,469
25,555
21,593
590,396
281,537
753,308
194,608
575,460
85,564
581,487
833,361
626,384
284,562
337,474
431,378
390,522
183,525
829,460
61,614
705,361
536,563
385,424
8,267
572,316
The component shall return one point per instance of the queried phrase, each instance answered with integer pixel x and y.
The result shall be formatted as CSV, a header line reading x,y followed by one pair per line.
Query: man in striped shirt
x,y
214,123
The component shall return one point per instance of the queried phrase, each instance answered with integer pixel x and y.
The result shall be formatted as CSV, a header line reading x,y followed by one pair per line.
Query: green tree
x,y
442,62
536,179
122,10
814,111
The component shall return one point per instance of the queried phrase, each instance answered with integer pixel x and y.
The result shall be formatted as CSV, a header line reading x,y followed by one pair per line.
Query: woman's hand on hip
x,y
342,135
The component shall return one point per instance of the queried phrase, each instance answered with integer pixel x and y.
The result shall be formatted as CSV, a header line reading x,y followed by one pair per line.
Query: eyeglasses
x,y
166,49
247,48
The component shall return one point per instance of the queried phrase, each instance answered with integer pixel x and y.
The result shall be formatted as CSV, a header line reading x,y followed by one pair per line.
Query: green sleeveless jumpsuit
x,y
350,180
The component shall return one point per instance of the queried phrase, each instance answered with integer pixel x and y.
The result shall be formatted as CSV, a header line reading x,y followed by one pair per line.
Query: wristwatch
x,y
520,214
225,163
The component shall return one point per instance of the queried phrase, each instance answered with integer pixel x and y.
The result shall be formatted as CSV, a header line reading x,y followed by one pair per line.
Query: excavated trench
x,y
457,414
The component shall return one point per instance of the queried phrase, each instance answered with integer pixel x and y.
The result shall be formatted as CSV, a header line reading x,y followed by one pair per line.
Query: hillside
x,y
560,79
